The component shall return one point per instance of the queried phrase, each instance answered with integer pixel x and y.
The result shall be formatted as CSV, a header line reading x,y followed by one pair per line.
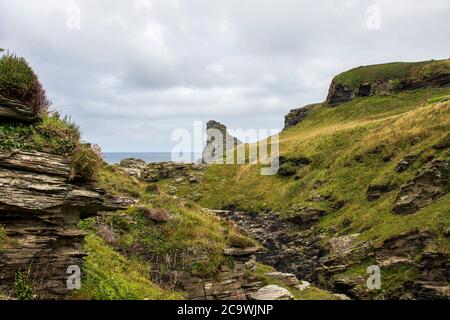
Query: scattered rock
x,y
287,279
303,286
272,292
133,167
306,215
405,163
428,185
238,252
374,192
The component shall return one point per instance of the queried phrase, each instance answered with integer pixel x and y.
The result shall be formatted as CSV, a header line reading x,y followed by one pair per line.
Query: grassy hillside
x,y
351,147
396,71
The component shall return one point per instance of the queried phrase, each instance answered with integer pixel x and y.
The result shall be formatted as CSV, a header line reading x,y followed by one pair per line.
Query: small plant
x,y
23,289
18,81
86,162
3,237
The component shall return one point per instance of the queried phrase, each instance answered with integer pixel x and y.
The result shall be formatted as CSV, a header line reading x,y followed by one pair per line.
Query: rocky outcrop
x,y
232,282
39,210
301,250
154,172
343,92
12,109
218,142
430,183
296,116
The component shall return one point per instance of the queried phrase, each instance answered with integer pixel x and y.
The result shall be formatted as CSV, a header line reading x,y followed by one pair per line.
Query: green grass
x,y
3,238
53,134
348,148
109,275
392,71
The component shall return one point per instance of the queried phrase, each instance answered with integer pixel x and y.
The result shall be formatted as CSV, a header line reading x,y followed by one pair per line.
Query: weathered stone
x,y
238,252
40,210
133,167
39,162
296,116
428,185
218,141
15,110
304,285
287,279
374,192
405,163
272,292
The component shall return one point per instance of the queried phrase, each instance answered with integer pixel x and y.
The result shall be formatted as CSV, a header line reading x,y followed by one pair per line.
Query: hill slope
x,y
377,175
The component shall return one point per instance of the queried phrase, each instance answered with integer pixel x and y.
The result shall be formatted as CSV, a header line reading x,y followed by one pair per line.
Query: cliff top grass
x,y
393,71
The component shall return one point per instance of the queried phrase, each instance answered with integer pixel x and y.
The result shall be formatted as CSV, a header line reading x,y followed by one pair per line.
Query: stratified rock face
x,y
218,141
340,93
40,210
296,116
296,248
12,109
429,184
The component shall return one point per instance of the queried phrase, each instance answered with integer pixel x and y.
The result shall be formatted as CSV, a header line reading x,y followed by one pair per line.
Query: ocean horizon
x,y
149,157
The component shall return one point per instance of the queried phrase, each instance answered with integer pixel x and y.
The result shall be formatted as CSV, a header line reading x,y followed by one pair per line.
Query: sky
x,y
132,72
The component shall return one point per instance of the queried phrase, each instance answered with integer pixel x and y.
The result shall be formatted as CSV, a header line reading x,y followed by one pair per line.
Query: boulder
x,y
303,286
133,167
288,279
156,215
272,292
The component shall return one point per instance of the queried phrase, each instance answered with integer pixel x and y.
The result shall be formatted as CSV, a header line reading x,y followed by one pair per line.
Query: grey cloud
x,y
137,70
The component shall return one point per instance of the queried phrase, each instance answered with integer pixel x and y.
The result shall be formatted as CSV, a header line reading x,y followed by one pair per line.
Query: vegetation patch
x,y
108,275
18,81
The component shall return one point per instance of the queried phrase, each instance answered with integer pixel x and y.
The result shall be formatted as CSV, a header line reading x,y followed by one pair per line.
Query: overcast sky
x,y
131,72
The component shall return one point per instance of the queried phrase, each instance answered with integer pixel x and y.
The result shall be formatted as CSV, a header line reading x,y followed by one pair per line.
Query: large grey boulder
x,y
272,292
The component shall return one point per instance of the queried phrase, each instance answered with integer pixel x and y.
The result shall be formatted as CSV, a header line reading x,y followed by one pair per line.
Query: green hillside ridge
x,y
396,71
357,144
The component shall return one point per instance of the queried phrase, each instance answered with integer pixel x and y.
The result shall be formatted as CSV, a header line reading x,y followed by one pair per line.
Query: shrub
x,y
23,289
86,162
18,81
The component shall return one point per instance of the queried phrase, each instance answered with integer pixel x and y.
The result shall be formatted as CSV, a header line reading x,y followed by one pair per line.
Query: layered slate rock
x,y
218,141
341,91
429,184
39,210
295,116
12,109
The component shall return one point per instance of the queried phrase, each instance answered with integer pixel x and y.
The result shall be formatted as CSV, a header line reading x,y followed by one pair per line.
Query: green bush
x,y
23,289
18,81
86,162
52,134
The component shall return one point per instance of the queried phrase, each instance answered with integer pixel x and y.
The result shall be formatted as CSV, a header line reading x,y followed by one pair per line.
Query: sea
x,y
149,157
